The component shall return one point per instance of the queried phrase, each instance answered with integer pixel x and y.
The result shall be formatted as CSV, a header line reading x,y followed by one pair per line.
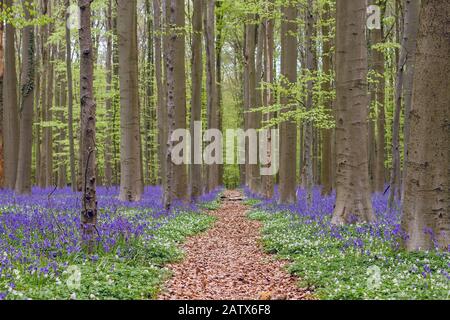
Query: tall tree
x,y
130,146
195,178
212,177
261,35
43,35
10,109
353,200
268,96
288,129
61,98
220,24
2,69
176,175
49,55
23,181
160,109
252,170
70,101
88,120
426,207
309,133
37,113
327,149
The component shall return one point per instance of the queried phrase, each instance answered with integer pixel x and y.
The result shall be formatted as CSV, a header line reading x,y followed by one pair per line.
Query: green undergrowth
x,y
138,273
334,271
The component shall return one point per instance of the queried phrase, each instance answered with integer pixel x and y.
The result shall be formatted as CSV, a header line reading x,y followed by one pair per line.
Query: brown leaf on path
x,y
229,263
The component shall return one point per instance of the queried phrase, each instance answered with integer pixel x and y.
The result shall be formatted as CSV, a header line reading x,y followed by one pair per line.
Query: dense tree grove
x,y
352,96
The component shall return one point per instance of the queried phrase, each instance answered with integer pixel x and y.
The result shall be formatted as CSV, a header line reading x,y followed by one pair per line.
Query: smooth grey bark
x,y
212,170
288,129
195,170
23,180
308,143
88,120
353,199
426,207
261,35
73,177
37,113
252,171
268,98
61,95
2,69
176,174
220,37
130,144
327,134
10,107
161,92
47,105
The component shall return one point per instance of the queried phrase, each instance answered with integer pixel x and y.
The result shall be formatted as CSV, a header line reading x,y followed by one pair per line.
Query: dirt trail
x,y
228,263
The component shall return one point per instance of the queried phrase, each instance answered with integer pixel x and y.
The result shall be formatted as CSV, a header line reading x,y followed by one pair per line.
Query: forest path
x,y
228,262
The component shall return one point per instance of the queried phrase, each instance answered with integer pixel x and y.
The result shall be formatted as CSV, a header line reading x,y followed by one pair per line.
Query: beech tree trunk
x,y
130,146
2,69
161,92
176,175
23,181
268,99
43,94
219,62
47,104
73,177
116,100
252,172
37,113
88,119
327,154
10,108
196,179
353,199
426,207
309,132
61,95
261,35
288,129
212,170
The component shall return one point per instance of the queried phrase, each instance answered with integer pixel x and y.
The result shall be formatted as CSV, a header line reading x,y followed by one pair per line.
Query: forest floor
x,y
229,263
